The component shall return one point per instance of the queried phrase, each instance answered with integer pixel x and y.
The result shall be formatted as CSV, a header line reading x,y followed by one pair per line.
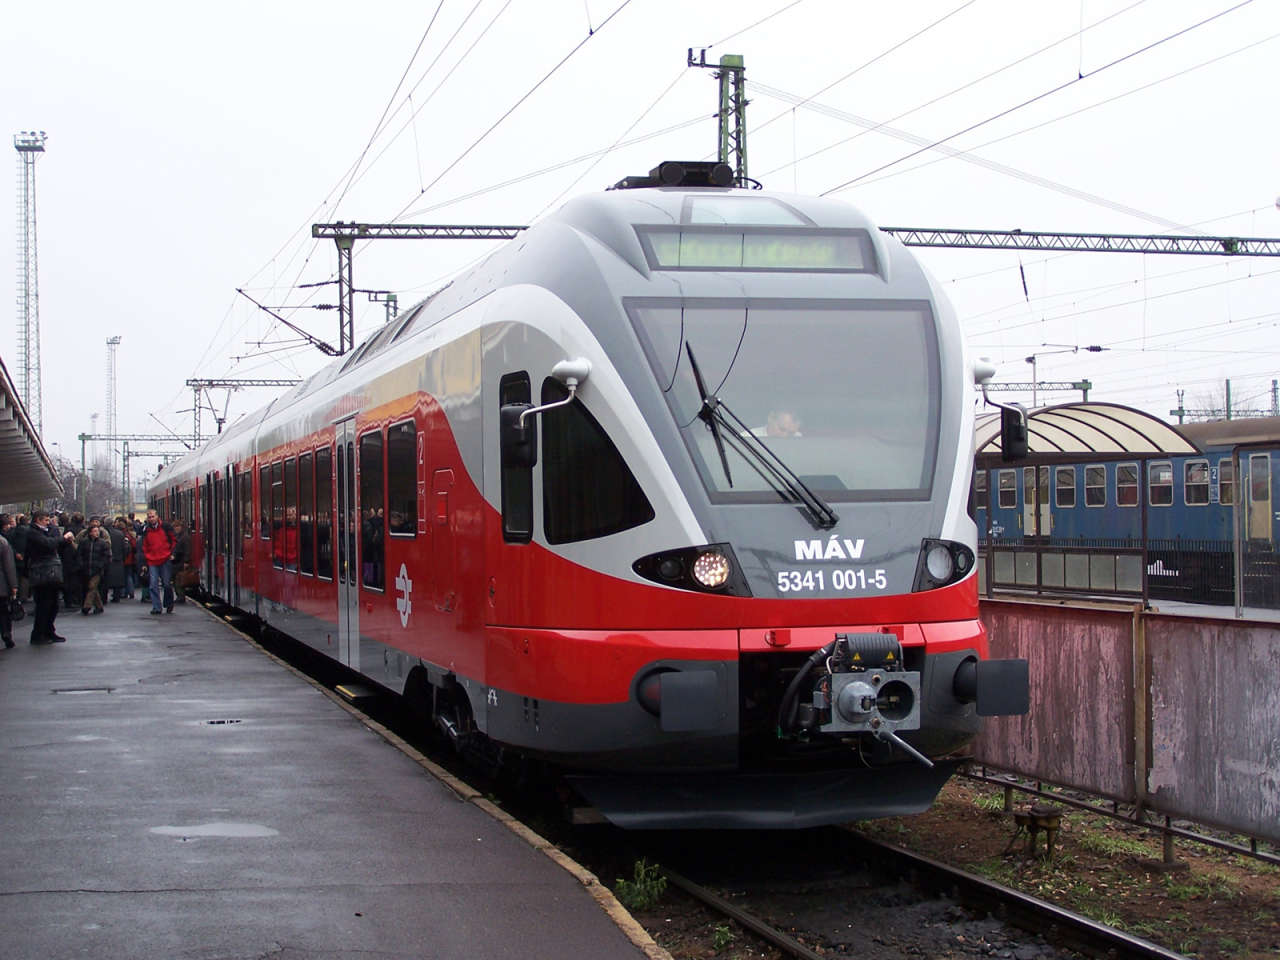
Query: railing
x,y
1193,571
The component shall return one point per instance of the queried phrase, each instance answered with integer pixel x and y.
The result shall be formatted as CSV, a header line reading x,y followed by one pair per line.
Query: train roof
x,y
1229,433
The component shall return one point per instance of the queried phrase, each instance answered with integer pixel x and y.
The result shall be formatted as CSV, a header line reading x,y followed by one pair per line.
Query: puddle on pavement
x,y
218,829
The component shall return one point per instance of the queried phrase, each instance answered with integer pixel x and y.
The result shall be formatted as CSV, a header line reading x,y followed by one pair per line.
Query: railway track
x,y
1058,927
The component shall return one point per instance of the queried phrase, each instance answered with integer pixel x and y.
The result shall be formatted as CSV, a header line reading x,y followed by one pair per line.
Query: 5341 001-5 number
x,y
857,578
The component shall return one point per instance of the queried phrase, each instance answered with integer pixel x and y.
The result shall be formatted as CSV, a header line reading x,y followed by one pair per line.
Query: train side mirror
x,y
519,435
1013,433
1014,442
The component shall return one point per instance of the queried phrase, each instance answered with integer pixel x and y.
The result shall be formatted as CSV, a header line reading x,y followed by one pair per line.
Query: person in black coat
x,y
72,582
44,570
95,558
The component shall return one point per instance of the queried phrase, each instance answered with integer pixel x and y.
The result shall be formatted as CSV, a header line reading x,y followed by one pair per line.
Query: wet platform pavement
x,y
169,791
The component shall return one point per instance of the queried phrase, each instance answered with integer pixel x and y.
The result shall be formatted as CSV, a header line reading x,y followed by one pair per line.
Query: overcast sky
x,y
190,148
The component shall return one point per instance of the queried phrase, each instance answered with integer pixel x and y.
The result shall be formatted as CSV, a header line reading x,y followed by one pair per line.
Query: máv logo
x,y
834,549
404,589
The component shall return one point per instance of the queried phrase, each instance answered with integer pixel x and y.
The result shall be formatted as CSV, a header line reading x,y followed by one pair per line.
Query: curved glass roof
x,y
1071,432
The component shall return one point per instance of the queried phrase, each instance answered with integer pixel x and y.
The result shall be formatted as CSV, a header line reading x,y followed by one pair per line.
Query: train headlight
x,y
711,569
942,562
704,568
939,562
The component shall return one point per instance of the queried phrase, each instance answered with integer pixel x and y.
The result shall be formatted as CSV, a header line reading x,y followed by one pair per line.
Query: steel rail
x,y
1058,925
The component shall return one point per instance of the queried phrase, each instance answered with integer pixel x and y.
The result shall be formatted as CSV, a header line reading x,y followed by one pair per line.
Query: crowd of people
x,y
70,563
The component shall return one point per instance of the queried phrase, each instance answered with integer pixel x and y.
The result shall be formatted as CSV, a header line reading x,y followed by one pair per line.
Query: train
x,y
1187,513
669,494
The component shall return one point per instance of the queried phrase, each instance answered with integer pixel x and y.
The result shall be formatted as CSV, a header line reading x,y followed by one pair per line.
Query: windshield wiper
x,y
747,445
707,412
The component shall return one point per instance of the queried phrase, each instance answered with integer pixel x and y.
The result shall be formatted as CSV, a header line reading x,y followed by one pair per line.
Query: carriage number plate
x,y
857,578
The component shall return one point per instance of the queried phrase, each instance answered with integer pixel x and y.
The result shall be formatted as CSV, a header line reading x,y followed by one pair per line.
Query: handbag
x,y
16,610
44,573
188,577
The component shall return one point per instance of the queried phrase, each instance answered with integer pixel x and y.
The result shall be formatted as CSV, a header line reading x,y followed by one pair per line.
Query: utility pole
x,y
29,144
199,387
731,146
112,344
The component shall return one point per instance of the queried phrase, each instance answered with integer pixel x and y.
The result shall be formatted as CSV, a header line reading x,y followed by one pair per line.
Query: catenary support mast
x,y
29,144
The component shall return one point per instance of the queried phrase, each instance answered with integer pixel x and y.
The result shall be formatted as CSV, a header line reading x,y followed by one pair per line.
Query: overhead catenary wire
x,y
1040,96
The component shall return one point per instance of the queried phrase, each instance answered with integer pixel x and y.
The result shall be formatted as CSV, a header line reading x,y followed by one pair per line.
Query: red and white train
x,y
671,491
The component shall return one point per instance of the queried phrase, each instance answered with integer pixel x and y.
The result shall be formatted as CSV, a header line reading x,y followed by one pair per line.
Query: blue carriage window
x,y
1095,485
1064,492
1195,483
1226,482
980,489
1008,481
1126,485
1160,483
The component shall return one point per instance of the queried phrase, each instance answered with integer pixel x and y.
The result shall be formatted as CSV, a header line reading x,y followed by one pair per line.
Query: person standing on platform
x,y
95,558
114,580
44,570
157,545
181,560
130,556
8,582
18,540
72,581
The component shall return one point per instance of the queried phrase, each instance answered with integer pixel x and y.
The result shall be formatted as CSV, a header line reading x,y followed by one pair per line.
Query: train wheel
x,y
453,717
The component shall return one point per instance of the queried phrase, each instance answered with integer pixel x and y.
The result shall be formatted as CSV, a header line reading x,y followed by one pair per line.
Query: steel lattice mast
x,y
29,144
112,400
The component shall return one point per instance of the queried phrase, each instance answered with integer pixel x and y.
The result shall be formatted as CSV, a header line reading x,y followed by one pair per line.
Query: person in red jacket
x,y
156,544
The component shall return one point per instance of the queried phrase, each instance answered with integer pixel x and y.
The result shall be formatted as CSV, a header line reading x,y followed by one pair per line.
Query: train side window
x,y
1008,494
1095,485
1195,483
246,509
264,495
517,479
306,515
324,508
291,515
1160,483
1226,482
1126,484
1259,478
402,480
980,490
277,515
588,490
1064,482
372,511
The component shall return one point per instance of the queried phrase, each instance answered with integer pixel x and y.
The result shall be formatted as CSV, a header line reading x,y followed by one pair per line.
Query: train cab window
x,y
1064,487
306,515
264,501
290,548
1226,482
1095,485
324,507
1008,494
588,490
372,512
1126,485
1195,483
980,490
1160,483
402,480
517,478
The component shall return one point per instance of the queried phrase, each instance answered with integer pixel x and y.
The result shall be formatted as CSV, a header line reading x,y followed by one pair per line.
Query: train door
x,y
206,527
226,533
1035,502
442,567
215,538
348,560
1259,511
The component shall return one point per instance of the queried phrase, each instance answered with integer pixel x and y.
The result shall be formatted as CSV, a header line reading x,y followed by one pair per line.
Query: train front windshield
x,y
846,393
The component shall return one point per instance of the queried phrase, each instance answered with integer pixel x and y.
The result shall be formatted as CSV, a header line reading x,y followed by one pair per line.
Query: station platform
x,y
168,790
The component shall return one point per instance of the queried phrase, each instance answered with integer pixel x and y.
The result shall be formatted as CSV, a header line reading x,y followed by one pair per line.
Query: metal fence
x,y
1180,715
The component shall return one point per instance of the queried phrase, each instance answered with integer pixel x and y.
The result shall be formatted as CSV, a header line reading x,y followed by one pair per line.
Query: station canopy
x,y
26,472
1071,432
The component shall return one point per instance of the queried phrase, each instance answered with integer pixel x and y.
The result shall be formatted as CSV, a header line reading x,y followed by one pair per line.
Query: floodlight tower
x,y
112,398
29,144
